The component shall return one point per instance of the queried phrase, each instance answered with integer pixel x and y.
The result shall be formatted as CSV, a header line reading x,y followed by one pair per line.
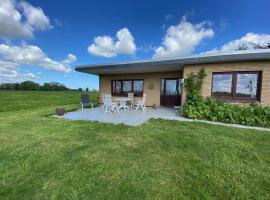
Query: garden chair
x,y
85,101
141,104
109,106
131,96
103,96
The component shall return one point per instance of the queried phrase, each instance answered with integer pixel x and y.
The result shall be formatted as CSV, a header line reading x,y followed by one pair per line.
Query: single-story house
x,y
241,76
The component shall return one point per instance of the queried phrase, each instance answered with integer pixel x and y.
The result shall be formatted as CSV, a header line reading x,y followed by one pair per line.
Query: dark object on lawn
x,y
60,111
85,101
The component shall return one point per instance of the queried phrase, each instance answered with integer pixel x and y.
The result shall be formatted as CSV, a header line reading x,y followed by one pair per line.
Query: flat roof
x,y
165,65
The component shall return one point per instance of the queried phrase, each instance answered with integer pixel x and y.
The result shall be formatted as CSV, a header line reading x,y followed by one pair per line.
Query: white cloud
x,y
33,55
246,41
106,46
103,46
70,59
12,21
182,39
30,76
9,73
35,17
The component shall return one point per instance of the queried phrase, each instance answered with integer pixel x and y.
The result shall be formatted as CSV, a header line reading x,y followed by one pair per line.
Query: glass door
x,y
170,93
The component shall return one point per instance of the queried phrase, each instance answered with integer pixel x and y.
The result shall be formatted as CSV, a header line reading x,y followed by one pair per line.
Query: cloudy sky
x,y
43,40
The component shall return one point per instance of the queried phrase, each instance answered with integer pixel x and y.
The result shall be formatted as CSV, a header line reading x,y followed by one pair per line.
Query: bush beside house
x,y
196,107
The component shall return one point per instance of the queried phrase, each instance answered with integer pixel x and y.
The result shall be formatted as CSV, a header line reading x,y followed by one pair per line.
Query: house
x,y
241,76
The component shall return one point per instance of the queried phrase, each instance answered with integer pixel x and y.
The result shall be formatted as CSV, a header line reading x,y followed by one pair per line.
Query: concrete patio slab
x,y
136,118
128,117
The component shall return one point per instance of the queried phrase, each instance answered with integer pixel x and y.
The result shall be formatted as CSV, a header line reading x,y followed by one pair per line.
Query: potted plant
x,y
60,111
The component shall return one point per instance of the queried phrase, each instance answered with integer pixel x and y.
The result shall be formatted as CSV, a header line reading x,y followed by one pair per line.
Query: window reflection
x,y
138,87
222,85
117,87
246,85
171,87
127,87
237,85
179,87
162,87
123,87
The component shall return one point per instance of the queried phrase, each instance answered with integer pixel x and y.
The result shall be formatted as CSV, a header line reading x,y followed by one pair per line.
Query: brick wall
x,y
153,95
263,66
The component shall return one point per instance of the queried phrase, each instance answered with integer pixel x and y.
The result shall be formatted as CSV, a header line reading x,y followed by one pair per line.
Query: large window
x,y
237,86
247,85
127,86
222,85
138,87
123,87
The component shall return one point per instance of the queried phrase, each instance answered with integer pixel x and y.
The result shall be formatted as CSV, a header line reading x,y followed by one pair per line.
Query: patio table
x,y
123,102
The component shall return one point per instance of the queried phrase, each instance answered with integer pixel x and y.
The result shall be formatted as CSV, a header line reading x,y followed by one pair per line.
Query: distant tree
x,y
252,45
29,85
87,89
53,86
7,86
261,46
16,86
80,89
46,87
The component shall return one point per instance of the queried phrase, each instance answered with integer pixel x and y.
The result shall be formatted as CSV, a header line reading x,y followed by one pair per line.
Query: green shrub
x,y
211,109
196,107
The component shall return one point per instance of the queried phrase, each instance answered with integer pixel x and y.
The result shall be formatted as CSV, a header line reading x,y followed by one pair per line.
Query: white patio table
x,y
122,102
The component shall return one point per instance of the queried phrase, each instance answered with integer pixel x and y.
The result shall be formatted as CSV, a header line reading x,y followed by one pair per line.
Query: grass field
x,y
48,158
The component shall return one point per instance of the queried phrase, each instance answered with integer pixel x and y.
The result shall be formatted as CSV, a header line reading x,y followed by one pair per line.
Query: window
x,y
180,87
222,85
237,85
123,87
127,87
138,87
117,88
247,85
171,85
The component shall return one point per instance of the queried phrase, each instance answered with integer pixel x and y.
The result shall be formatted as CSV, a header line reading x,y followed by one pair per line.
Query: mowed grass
x,y
18,100
48,158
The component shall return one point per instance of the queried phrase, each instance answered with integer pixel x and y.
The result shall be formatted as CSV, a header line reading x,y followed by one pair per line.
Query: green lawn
x,y
48,158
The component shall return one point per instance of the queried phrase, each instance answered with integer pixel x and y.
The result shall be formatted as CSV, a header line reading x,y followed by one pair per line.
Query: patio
x,y
135,118
128,117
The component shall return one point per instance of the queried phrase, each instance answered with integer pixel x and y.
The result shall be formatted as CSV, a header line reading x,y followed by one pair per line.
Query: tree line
x,y
30,85
245,46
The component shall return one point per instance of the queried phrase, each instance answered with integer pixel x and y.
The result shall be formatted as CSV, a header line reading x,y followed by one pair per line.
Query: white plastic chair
x,y
131,96
141,104
103,96
110,107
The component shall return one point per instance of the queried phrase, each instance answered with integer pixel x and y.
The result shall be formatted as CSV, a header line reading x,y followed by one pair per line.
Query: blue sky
x,y
51,30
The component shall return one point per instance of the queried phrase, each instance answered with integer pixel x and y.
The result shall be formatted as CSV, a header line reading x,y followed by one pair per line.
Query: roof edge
x,y
197,56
